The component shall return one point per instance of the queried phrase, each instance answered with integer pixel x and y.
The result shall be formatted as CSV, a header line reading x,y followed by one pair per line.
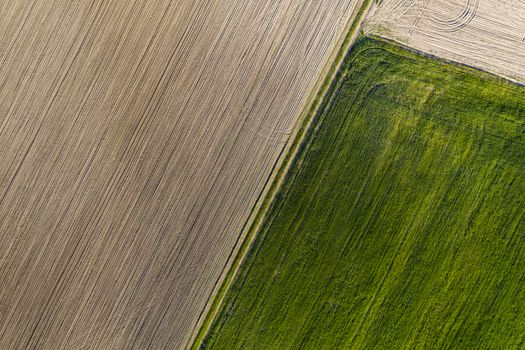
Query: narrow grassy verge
x,y
315,103
401,223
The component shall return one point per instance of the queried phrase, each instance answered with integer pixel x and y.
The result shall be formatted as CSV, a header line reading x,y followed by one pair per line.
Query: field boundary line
x,y
450,61
273,185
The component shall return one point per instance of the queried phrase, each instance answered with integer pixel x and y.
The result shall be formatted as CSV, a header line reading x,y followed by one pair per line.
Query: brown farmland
x,y
487,34
135,138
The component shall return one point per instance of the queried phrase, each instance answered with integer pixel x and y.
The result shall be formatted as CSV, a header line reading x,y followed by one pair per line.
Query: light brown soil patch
x,y
135,137
487,34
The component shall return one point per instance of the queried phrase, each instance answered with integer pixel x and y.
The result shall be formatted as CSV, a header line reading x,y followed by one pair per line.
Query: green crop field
x,y
402,222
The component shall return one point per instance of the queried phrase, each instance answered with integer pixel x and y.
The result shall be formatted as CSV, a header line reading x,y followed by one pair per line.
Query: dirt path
x,y
135,138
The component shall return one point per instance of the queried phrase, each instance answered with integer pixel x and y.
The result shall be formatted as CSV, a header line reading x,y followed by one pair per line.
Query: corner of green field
x,y
367,51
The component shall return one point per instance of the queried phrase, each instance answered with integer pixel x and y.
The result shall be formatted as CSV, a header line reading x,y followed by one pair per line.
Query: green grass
x,y
402,221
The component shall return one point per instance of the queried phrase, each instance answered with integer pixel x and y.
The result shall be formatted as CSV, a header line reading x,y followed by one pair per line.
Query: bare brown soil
x,y
135,138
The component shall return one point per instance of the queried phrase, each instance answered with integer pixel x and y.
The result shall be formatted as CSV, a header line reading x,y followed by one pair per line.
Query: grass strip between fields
x,y
299,139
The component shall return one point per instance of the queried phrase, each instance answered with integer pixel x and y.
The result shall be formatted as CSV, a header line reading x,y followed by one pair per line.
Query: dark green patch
x,y
402,223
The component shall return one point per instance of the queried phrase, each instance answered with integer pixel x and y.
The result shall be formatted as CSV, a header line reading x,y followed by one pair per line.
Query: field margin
x,y
444,60
289,155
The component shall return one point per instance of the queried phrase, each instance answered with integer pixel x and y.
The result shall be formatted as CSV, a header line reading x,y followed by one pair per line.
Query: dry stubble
x,y
487,34
135,137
